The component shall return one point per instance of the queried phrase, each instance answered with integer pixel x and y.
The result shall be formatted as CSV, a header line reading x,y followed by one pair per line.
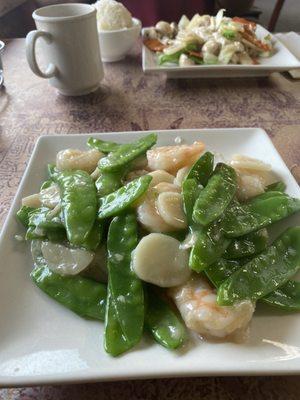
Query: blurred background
x,y
276,15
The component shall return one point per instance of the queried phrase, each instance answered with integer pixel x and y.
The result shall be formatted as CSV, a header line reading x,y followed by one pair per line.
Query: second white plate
x,y
281,60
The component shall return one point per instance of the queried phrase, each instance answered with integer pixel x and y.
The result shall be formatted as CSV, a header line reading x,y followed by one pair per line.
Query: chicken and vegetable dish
x,y
207,40
161,240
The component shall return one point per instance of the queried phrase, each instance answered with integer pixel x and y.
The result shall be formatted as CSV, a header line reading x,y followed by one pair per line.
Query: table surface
x,y
129,100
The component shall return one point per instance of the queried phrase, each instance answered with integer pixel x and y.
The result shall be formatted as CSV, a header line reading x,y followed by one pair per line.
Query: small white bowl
x,y
115,45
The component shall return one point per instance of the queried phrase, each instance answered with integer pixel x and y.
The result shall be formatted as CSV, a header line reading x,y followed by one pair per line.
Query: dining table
x,y
129,100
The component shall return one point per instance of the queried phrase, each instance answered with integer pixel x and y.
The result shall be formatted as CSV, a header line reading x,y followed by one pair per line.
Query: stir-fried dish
x,y
207,40
161,240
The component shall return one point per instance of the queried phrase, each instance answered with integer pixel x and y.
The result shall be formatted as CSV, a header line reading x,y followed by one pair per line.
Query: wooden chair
x,y
275,15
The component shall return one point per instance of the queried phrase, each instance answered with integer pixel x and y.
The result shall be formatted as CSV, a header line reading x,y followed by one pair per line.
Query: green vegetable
x,y
109,182
102,145
124,288
286,298
197,60
162,322
202,169
46,184
229,34
125,153
116,202
79,204
52,171
174,58
209,247
258,213
264,273
218,272
248,245
23,215
190,193
276,187
94,237
43,218
84,296
216,196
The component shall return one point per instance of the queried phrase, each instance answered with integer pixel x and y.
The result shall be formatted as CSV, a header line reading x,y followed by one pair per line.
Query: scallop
x,y
170,208
33,201
160,175
65,260
158,259
166,187
50,196
180,176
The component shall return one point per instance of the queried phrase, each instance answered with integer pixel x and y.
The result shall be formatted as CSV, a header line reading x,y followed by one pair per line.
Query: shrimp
x,y
253,176
172,158
77,159
197,303
49,197
147,212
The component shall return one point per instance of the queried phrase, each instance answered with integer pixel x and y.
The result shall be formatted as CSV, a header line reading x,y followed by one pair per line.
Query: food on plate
x,y
161,239
112,15
207,40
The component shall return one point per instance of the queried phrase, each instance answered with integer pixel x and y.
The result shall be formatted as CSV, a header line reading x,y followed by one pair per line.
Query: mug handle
x,y
31,39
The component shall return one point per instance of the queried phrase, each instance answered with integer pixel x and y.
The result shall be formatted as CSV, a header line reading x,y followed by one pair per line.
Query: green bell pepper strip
x,y
246,246
109,182
286,298
216,196
276,186
264,210
79,204
102,145
264,273
125,153
46,184
118,201
202,169
164,325
209,247
83,296
124,288
23,215
174,58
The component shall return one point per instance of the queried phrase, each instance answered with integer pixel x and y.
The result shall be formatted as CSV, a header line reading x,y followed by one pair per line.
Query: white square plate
x,y
42,342
281,60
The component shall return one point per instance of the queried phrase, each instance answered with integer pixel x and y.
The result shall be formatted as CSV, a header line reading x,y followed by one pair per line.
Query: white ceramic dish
x,y
292,41
115,44
43,343
281,60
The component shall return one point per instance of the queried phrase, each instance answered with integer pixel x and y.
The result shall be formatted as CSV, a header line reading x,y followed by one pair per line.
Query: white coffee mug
x,y
70,47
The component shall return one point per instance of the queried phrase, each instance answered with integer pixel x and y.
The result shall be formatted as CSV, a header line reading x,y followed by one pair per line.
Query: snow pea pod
x,y
209,247
116,202
83,296
276,186
108,182
46,184
216,196
202,169
248,245
94,237
102,145
264,210
52,171
286,298
162,322
124,288
190,192
218,272
23,215
264,273
43,218
125,153
79,204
